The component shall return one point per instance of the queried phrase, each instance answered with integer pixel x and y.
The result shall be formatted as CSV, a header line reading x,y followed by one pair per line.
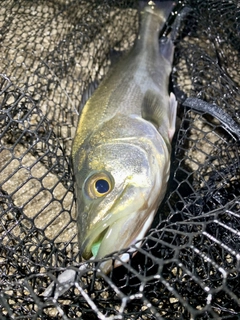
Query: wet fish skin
x,y
124,137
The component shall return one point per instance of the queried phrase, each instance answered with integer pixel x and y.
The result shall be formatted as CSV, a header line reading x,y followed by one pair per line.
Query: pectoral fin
x,y
151,108
152,111
172,113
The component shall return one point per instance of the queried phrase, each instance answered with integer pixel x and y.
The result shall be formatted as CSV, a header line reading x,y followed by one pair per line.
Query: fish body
x,y
121,150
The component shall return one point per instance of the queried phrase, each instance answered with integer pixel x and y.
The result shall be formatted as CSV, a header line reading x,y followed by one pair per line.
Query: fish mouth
x,y
115,236
91,245
97,247
96,243
119,229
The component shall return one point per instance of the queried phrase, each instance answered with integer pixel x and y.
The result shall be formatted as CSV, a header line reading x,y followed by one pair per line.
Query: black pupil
x,y
102,186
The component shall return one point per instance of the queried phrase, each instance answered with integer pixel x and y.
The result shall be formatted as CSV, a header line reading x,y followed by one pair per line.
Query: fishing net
x,y
52,53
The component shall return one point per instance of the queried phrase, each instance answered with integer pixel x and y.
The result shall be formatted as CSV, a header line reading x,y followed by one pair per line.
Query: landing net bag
x,y
52,54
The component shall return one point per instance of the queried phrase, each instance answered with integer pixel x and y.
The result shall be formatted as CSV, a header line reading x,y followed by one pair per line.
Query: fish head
x,y
118,188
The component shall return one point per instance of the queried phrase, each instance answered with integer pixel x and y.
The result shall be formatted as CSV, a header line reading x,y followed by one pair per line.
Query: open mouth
x,y
97,242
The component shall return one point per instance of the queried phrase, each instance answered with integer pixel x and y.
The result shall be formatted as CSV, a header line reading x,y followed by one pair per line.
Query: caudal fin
x,y
154,18
162,7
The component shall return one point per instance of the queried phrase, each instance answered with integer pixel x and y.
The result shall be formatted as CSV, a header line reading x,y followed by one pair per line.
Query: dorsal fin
x,y
87,93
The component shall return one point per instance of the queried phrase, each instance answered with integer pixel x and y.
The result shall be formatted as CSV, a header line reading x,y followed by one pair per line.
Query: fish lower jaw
x,y
106,266
91,250
136,243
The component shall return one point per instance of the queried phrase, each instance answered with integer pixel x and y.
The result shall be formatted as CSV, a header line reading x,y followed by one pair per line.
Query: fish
x,y
122,147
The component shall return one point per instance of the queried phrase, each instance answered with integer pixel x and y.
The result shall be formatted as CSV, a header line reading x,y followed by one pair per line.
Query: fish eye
x,y
102,186
98,185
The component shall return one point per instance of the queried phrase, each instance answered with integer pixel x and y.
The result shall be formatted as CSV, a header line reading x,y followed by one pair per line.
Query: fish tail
x,y
154,17
162,9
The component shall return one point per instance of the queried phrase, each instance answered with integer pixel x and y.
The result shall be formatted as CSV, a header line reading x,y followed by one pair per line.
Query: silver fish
x,y
121,150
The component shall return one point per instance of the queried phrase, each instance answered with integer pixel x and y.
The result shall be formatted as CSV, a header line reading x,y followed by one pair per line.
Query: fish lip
x,y
85,249
107,265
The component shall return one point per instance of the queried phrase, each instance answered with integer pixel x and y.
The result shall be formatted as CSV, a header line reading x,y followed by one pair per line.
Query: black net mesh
x,y
188,266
